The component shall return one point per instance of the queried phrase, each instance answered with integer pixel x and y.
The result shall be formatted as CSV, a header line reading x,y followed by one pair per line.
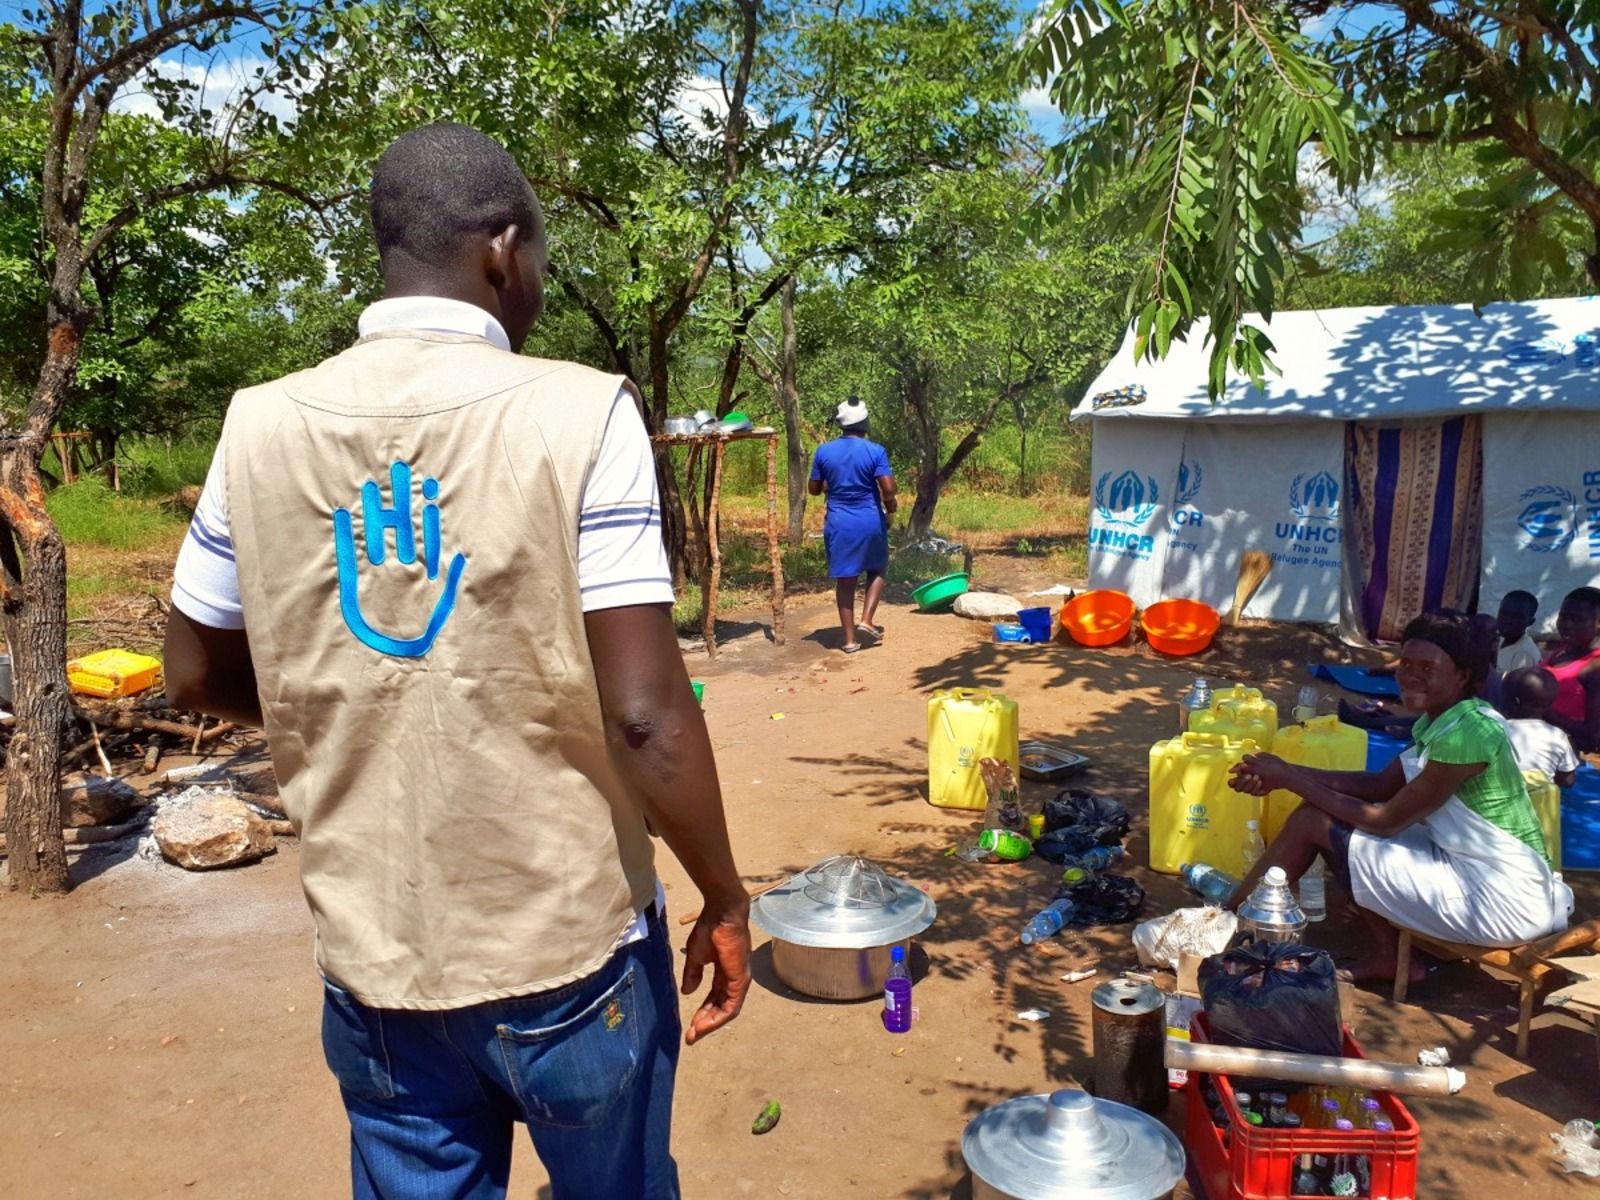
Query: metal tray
x,y
1057,764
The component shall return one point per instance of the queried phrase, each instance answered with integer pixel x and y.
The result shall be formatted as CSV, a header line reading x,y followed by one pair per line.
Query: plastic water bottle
x,y
1198,699
1212,885
1253,847
1097,859
1047,922
1305,705
897,993
1313,892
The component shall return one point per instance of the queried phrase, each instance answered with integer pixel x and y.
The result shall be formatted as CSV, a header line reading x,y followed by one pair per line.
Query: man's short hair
x,y
438,187
1525,602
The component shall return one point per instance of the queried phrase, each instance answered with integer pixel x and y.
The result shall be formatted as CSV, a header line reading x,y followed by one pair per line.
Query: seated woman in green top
x,y
1443,841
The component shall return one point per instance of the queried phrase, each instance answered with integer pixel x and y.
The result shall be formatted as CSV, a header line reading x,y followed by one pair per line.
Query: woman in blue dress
x,y
861,498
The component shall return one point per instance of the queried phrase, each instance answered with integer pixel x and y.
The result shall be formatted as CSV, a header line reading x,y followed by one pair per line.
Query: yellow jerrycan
x,y
1239,712
1195,815
1323,742
1546,797
966,725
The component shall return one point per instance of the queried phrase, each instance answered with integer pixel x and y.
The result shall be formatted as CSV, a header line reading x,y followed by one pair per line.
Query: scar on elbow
x,y
637,733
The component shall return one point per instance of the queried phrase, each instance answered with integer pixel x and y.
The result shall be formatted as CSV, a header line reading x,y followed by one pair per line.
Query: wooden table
x,y
706,517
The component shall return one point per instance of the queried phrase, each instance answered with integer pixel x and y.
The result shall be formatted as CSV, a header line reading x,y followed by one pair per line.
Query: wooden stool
x,y
1529,964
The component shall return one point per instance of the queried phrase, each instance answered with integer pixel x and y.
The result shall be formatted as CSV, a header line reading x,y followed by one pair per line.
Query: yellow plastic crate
x,y
113,673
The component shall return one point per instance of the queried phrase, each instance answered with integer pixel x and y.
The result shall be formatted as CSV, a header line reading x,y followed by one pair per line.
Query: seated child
x,y
1537,744
1517,648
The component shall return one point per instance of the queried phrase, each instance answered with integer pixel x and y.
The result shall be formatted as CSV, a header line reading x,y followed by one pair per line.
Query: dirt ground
x,y
159,1029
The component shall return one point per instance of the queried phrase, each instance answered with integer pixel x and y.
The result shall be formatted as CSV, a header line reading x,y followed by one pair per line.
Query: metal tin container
x,y
1046,763
679,426
833,924
1130,1037
1271,914
1068,1145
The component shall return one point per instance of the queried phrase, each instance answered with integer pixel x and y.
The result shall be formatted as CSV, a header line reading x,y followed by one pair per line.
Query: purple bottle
x,y
897,993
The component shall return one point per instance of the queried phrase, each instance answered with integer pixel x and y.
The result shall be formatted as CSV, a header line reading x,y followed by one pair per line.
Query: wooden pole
x,y
713,577
774,549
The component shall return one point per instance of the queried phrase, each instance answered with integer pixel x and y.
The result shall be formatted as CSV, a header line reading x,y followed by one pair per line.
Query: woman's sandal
x,y
875,632
852,648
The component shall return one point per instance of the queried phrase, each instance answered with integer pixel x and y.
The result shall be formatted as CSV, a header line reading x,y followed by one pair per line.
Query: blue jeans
x,y
433,1097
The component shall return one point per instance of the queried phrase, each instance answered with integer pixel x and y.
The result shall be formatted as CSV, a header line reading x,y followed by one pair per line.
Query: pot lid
x,y
1068,1145
1272,905
845,903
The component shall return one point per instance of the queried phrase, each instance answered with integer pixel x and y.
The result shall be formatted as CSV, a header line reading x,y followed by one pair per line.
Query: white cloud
x,y
221,83
701,107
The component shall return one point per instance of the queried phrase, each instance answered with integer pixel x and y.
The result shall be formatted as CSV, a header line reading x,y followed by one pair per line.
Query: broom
x,y
1253,569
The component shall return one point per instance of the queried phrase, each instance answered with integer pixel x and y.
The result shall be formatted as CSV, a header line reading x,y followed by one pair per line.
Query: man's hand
x,y
722,942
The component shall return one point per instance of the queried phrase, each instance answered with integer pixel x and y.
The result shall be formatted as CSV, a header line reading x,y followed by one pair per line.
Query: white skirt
x,y
1457,877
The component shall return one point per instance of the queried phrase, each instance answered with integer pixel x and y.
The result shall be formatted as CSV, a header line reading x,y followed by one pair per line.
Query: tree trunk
x,y
35,606
789,401
105,448
916,390
674,526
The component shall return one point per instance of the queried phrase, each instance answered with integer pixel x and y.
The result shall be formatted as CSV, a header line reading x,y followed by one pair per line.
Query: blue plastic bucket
x,y
1382,750
1037,622
1580,822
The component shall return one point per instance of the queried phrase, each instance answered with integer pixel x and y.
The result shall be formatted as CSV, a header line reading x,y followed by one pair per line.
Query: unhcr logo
x,y
1315,498
1549,519
1129,499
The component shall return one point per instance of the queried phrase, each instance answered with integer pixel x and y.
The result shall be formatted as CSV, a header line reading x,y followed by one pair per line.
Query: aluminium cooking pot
x,y
834,924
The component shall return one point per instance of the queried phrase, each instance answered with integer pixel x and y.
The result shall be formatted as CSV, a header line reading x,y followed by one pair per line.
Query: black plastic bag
x,y
1101,820
1062,844
1273,996
1103,900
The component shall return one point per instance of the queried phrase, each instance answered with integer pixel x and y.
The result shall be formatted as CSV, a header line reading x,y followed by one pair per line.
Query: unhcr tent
x,y
1406,458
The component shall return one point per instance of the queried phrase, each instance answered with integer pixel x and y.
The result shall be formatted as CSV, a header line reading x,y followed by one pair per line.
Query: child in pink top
x,y
1575,662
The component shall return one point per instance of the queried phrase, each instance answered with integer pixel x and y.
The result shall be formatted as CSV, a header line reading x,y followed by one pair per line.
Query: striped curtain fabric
x,y
1414,521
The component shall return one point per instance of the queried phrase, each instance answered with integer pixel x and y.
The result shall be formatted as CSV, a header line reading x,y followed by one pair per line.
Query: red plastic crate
x,y
1259,1163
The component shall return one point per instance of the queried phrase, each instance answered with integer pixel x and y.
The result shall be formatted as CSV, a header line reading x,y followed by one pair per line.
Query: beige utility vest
x,y
405,518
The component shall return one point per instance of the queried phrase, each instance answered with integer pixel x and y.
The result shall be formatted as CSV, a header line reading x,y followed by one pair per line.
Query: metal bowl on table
x,y
680,426
834,924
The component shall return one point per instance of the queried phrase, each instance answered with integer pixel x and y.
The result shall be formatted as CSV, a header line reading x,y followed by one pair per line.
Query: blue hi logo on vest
x,y
1126,500
377,521
1315,498
1549,519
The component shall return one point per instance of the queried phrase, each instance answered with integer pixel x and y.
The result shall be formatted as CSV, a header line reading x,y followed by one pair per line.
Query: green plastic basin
x,y
937,593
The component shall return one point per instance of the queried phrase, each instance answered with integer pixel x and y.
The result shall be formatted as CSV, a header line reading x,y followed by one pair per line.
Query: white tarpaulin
x,y
1175,507
1183,487
1135,468
1541,507
1369,364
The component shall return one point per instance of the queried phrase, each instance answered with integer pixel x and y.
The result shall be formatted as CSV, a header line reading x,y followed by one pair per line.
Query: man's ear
x,y
500,260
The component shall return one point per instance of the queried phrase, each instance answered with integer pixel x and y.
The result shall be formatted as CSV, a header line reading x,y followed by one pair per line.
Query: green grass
x,y
90,514
154,470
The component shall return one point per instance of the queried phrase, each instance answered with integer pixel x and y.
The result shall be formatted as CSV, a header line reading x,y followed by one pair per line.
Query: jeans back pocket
x,y
571,1072
352,1042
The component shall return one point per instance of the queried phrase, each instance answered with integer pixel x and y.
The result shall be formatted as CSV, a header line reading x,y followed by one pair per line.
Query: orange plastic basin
x,y
1100,618
1180,627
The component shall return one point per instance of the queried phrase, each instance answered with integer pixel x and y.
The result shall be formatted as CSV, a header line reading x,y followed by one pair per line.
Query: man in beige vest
x,y
431,569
